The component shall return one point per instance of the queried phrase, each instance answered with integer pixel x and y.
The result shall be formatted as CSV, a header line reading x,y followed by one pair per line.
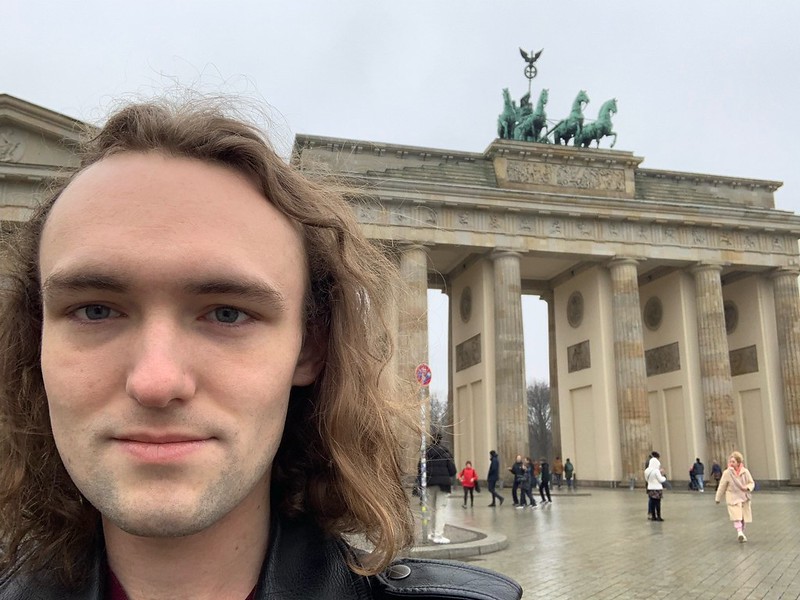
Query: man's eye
x,y
95,312
227,315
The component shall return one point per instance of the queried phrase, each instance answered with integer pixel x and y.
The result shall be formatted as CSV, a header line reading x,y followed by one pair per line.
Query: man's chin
x,y
163,524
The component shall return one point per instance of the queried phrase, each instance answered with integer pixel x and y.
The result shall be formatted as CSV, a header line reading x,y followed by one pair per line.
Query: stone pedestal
x,y
631,374
787,316
510,386
715,366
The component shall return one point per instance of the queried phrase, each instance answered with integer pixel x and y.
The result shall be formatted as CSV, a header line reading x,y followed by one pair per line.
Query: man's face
x,y
172,335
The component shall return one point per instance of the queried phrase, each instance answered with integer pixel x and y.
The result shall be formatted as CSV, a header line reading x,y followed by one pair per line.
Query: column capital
x,y
406,246
504,252
619,261
790,271
705,266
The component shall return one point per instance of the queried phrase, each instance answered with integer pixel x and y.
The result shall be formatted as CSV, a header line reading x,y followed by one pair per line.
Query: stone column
x,y
555,413
715,364
412,339
787,316
413,311
510,387
631,375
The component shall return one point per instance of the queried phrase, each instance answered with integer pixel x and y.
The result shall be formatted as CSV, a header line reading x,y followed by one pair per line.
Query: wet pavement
x,y
598,543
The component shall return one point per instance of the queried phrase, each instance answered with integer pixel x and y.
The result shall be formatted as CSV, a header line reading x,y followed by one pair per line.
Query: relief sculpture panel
x,y
468,353
743,361
664,359
579,357
574,176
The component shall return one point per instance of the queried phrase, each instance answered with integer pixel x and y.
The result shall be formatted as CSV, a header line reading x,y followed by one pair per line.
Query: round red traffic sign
x,y
423,374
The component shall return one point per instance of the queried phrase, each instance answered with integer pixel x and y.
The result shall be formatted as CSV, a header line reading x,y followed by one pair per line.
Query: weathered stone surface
x,y
744,361
787,314
634,410
512,413
715,369
579,357
468,353
664,359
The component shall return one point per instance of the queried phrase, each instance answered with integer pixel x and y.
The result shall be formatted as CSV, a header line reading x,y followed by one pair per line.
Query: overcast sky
x,y
709,87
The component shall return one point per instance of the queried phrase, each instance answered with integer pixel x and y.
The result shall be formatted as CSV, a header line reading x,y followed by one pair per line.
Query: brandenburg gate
x,y
673,299
674,311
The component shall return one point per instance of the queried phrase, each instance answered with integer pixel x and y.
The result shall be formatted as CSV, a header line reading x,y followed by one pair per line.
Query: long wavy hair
x,y
341,457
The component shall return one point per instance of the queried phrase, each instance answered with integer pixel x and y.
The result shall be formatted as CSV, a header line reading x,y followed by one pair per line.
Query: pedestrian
x,y
440,470
699,471
194,392
569,473
493,477
654,476
525,485
468,478
516,471
558,471
736,484
716,473
544,481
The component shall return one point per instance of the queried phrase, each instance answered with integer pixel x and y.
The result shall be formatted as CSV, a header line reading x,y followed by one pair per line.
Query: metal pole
x,y
423,483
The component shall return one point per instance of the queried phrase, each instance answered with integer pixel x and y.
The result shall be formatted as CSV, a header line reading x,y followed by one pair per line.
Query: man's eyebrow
x,y
236,287
244,289
76,282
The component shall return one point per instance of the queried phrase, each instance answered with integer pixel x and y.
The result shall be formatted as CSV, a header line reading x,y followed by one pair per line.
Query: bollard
x,y
632,483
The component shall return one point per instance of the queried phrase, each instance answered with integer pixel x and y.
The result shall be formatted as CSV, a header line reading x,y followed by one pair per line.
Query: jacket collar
x,y
301,553
302,563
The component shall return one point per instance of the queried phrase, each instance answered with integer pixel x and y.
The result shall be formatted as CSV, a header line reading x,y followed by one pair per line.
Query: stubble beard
x,y
160,515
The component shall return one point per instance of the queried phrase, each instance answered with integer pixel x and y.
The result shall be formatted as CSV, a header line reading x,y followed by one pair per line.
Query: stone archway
x,y
642,360
644,271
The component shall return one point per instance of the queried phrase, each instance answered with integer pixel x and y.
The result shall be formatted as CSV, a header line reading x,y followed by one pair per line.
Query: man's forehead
x,y
178,214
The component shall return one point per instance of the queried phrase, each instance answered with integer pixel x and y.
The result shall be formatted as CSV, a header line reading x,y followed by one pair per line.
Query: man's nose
x,y
159,370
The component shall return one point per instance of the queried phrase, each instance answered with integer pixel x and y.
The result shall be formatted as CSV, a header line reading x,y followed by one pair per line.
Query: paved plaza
x,y
599,544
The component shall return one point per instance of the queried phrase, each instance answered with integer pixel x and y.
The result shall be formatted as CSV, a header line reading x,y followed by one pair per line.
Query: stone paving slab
x,y
599,544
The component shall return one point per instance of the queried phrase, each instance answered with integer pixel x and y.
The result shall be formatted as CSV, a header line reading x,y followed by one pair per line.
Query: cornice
x,y
29,115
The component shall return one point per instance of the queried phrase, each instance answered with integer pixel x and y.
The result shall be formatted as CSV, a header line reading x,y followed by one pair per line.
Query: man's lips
x,y
161,448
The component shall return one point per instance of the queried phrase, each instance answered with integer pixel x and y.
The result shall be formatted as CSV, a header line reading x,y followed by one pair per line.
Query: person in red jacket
x,y
468,478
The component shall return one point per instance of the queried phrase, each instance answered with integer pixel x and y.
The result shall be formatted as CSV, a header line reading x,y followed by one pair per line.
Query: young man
x,y
516,471
493,477
699,473
439,472
193,389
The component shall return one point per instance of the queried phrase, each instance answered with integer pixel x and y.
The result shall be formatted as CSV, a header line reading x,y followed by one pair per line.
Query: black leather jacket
x,y
304,563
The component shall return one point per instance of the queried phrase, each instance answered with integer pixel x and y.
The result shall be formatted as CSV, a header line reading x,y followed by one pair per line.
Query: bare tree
x,y
441,421
540,422
438,413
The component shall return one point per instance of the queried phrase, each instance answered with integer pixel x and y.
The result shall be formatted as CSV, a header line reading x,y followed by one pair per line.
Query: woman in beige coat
x,y
736,484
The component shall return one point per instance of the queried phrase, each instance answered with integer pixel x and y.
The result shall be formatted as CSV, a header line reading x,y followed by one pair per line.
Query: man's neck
x,y
222,562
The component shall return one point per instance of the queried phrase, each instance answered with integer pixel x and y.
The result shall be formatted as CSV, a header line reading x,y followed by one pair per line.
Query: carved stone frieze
x,y
571,176
465,304
731,316
744,360
664,359
526,225
579,357
468,353
653,313
575,309
11,145
489,219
